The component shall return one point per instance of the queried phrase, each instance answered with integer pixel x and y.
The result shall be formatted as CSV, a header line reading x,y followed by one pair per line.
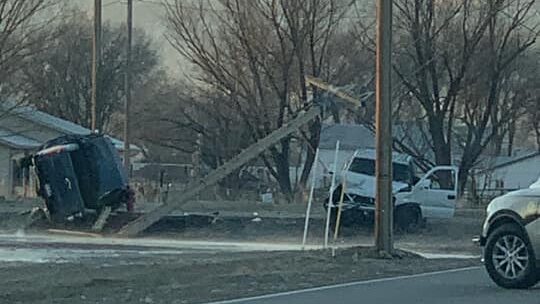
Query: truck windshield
x,y
367,167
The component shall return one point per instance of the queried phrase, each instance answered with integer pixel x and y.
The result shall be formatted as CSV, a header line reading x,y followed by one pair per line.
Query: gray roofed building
x,y
509,172
61,125
51,121
351,137
496,162
355,136
17,141
22,131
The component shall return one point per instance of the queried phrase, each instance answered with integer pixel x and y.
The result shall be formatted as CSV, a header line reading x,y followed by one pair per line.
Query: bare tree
x,y
20,20
454,59
172,115
57,78
529,78
510,34
533,115
257,53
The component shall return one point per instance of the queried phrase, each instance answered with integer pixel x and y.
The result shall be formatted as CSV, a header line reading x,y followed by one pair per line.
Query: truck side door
x,y
437,192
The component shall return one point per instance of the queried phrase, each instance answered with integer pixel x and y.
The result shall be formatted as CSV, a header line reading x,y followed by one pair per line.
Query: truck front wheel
x,y
408,218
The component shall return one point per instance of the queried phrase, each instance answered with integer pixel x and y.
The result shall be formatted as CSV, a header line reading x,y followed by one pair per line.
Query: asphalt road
x,y
450,287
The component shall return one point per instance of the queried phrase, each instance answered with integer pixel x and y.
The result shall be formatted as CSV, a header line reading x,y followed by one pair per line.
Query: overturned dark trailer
x,y
79,173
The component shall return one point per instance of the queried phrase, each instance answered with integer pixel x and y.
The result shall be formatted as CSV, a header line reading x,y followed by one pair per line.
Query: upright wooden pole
x,y
96,59
384,200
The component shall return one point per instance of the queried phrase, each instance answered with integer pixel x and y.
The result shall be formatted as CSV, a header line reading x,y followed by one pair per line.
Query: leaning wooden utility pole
x,y
384,204
253,151
198,185
127,163
96,59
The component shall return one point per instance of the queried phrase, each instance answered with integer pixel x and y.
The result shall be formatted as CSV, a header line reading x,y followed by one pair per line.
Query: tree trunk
x,y
284,178
463,175
511,136
442,149
282,174
315,133
497,144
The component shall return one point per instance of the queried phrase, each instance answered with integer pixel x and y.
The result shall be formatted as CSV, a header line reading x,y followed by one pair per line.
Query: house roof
x,y
355,136
60,125
505,161
17,141
351,137
53,122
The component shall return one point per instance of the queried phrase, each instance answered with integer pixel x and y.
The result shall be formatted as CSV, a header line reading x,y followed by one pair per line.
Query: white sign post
x,y
331,197
310,199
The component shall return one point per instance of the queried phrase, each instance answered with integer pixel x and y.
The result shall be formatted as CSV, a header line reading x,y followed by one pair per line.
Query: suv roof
x,y
399,158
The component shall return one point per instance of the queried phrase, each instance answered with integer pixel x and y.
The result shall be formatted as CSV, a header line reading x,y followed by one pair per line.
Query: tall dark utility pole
x,y
384,205
96,59
127,104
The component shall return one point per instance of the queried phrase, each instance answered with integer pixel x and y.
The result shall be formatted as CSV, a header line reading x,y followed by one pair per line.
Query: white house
x,y
22,131
510,173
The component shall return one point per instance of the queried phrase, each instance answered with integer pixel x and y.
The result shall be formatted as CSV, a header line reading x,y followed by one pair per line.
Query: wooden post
x,y
310,199
215,176
331,197
384,200
96,60
340,207
127,145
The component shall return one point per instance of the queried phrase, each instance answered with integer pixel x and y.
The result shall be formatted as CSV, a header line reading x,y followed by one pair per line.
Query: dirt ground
x,y
189,276
257,222
285,223
452,236
200,277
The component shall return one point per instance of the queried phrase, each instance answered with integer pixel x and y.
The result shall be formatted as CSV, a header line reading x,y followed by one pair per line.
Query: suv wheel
x,y
509,258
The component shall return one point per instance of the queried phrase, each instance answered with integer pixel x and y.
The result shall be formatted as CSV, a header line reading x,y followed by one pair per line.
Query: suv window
x,y
401,172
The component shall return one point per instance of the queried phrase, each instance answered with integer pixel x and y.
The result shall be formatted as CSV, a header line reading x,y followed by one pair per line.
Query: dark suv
x,y
80,172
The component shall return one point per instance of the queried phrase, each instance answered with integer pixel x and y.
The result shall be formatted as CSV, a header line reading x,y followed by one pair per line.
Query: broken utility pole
x,y
198,185
215,176
316,82
384,204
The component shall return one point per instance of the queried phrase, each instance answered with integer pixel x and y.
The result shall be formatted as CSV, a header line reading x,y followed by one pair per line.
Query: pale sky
x,y
147,15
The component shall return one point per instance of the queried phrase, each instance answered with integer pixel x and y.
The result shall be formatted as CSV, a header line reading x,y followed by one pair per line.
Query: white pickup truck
x,y
415,199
